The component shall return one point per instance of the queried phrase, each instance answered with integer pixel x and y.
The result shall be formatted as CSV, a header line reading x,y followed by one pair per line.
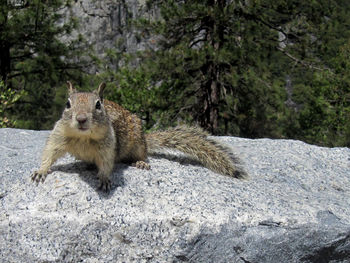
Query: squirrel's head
x,y
85,112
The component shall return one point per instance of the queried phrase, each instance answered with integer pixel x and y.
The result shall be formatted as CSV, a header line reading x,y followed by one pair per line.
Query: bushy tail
x,y
195,142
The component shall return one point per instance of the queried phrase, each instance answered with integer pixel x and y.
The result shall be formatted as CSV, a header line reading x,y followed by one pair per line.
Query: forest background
x,y
248,68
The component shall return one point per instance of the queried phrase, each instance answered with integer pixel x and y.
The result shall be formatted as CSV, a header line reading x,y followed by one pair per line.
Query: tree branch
x,y
299,61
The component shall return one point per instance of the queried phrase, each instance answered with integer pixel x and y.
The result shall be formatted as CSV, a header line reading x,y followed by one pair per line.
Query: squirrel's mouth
x,y
82,128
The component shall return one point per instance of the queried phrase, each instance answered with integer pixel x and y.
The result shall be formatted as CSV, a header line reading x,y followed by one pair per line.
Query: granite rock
x,y
293,208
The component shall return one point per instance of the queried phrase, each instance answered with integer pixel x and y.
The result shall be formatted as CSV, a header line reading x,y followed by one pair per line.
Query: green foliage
x,y
8,98
325,114
214,65
225,64
132,88
34,58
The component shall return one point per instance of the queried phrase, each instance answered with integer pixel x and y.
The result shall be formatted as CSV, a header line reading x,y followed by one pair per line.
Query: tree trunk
x,y
5,61
210,98
214,103
215,36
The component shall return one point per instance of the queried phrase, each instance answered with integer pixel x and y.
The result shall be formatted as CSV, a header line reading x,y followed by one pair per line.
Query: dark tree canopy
x,y
242,67
257,68
33,56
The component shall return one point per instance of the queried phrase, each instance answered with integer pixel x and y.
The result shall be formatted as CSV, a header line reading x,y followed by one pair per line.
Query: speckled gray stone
x,y
294,207
105,25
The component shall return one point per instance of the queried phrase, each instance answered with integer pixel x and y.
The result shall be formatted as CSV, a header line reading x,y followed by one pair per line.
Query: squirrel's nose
x,y
81,118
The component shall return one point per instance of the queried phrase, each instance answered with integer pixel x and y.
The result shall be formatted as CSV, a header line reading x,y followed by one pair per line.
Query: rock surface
x,y
294,207
105,25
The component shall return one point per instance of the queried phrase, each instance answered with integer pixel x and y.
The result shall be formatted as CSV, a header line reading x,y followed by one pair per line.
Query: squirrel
x,y
102,132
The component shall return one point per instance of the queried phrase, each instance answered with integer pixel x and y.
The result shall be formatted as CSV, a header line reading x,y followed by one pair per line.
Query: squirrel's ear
x,y
70,88
101,89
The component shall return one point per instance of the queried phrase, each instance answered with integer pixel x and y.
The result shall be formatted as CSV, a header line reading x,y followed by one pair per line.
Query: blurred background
x,y
248,68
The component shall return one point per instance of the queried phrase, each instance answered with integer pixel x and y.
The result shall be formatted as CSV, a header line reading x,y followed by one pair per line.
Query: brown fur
x,y
195,143
102,132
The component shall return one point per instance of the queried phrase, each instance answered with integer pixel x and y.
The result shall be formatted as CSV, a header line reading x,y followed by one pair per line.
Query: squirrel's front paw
x,y
142,165
105,185
38,177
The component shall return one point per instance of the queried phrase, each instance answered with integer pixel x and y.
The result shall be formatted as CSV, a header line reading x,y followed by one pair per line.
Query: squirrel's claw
x,y
38,177
105,185
141,165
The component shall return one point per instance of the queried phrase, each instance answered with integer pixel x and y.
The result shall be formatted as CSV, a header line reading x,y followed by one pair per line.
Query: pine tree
x,y
224,64
215,62
34,58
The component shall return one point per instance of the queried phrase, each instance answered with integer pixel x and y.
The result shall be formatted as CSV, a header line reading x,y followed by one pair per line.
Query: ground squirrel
x,y
102,132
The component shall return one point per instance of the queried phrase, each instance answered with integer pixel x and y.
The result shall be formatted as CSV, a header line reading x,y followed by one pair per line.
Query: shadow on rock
x,y
178,157
88,173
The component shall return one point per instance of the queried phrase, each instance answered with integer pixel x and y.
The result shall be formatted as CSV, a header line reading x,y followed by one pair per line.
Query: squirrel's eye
x,y
98,105
68,104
